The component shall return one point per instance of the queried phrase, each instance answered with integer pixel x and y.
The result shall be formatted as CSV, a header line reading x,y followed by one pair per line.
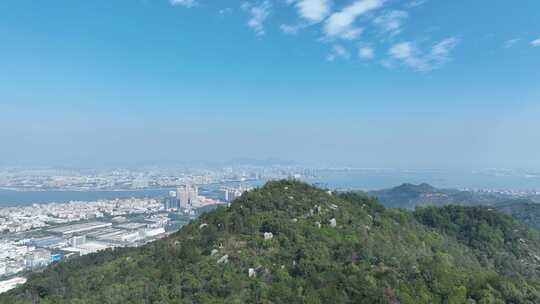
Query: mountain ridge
x,y
410,196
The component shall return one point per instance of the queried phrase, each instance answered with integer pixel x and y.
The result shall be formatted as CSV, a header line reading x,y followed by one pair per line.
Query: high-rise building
x,y
193,196
231,194
188,196
183,196
172,202
77,241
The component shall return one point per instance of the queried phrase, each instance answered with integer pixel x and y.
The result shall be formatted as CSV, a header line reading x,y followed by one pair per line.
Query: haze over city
x,y
393,84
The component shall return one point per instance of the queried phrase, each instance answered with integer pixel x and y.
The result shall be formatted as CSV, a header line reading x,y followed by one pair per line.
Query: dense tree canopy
x,y
289,242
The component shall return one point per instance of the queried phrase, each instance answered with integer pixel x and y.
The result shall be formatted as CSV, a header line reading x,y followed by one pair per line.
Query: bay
x,y
9,198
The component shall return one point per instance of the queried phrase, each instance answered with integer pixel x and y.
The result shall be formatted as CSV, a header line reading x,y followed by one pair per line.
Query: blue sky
x,y
409,84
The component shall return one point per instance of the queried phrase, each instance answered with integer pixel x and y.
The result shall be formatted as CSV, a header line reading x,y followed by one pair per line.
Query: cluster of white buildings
x,y
18,219
33,237
22,255
96,236
115,179
12,257
506,192
77,239
155,177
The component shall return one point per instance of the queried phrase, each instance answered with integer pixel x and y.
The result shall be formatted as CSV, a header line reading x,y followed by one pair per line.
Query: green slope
x,y
325,248
524,210
498,241
409,196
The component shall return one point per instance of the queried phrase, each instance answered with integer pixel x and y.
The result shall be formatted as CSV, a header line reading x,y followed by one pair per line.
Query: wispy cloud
x,y
185,3
408,54
366,52
440,52
313,10
342,24
511,42
338,51
391,22
225,11
258,13
535,43
290,29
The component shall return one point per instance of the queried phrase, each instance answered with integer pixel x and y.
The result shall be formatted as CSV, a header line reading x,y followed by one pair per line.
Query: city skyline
x,y
368,83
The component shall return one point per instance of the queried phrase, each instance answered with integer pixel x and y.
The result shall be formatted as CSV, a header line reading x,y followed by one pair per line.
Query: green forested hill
x,y
409,196
288,242
496,239
524,210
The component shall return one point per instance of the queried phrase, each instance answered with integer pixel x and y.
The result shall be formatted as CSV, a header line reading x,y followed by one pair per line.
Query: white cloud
x,y
290,29
366,52
225,11
536,42
391,22
257,15
185,3
341,24
338,51
407,53
313,10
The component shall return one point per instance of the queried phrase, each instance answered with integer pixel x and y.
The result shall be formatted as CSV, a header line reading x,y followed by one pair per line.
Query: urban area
x,y
35,235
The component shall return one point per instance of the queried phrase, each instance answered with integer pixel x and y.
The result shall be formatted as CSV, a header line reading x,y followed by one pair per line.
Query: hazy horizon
x,y
367,83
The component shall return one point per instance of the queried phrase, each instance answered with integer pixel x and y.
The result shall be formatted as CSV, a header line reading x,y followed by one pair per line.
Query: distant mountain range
x,y
409,196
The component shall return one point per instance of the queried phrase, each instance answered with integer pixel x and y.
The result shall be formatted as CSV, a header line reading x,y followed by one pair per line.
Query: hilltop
x,y
289,242
409,196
